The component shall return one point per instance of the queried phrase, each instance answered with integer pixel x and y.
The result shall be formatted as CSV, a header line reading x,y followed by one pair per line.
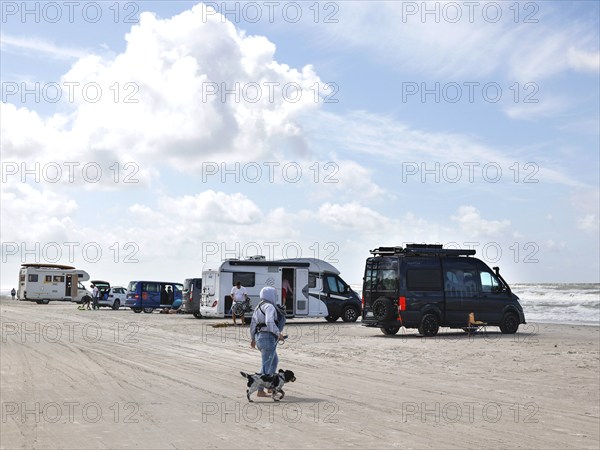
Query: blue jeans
x,y
267,344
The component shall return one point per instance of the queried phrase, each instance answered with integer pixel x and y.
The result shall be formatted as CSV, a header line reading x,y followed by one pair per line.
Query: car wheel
x,y
383,309
148,310
45,301
197,315
509,324
390,331
429,325
350,314
136,310
331,318
116,305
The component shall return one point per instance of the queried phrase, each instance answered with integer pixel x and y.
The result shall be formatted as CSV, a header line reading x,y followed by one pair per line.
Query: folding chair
x,y
474,325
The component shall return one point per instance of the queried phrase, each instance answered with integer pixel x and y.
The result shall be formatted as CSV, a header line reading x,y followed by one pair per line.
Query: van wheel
x,y
429,325
331,318
350,314
148,310
509,324
390,331
383,309
116,305
136,310
198,315
45,301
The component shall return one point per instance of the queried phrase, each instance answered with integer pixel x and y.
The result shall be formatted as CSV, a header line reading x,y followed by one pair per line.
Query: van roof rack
x,y
421,250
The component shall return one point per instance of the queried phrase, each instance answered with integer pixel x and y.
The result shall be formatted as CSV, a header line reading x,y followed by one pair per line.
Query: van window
x,y
132,286
460,276
382,275
59,279
246,278
334,285
198,283
489,283
48,279
150,287
312,280
32,278
424,280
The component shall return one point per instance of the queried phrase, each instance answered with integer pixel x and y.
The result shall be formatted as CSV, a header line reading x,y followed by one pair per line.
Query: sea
x,y
568,303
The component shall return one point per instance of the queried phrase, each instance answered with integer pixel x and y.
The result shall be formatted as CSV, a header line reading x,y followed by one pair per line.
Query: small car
x,y
113,297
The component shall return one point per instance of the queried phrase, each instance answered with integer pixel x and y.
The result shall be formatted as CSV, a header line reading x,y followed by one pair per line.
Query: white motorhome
x,y
316,287
41,283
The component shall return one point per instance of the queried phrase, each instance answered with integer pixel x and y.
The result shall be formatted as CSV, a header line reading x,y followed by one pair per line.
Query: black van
x,y
192,293
426,286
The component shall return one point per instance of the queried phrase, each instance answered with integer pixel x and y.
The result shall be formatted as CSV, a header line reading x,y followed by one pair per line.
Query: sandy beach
x,y
115,379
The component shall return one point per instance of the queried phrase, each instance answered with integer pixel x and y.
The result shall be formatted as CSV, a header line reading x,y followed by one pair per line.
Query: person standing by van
x,y
265,333
95,297
13,293
238,295
286,288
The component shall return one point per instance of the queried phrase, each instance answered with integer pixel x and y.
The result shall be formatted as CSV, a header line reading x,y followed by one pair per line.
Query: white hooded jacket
x,y
265,313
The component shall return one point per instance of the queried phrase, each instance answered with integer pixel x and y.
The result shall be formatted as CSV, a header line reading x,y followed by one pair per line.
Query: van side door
x,y
461,286
492,297
150,295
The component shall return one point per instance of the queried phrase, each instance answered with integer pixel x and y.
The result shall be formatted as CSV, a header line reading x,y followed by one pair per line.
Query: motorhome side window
x,y
32,278
246,278
59,279
48,279
312,280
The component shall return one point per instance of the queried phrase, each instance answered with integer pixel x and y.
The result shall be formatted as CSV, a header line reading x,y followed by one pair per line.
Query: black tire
x,y
350,314
390,331
116,305
197,315
510,323
39,302
331,318
429,325
148,310
85,299
45,301
383,310
136,310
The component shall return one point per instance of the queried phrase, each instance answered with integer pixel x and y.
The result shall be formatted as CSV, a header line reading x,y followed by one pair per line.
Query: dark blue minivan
x,y
150,295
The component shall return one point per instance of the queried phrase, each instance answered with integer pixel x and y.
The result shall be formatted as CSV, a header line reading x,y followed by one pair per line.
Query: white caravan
x,y
41,283
316,287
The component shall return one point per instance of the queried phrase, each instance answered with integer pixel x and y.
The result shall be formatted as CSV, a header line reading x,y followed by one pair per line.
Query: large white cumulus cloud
x,y
162,100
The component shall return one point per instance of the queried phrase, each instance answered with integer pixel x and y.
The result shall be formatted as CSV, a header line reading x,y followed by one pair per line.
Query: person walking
x,y
265,332
238,295
13,293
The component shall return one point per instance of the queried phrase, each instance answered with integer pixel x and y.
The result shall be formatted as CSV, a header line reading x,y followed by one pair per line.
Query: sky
x,y
142,140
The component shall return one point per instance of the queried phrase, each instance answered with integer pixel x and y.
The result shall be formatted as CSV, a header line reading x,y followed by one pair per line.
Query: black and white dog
x,y
273,382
